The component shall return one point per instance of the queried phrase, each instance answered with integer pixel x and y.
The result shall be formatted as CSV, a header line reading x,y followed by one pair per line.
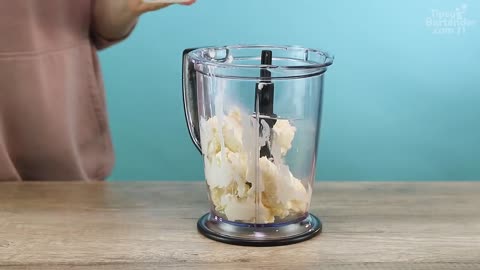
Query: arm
x,y
114,19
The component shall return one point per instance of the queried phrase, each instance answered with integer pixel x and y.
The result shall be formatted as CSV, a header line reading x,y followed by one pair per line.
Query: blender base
x,y
260,234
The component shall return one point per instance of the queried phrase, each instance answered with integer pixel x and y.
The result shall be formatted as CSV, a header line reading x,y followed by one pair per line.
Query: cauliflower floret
x,y
244,210
283,134
282,192
229,165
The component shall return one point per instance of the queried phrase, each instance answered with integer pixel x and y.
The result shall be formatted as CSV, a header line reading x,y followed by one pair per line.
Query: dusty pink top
x,y
53,121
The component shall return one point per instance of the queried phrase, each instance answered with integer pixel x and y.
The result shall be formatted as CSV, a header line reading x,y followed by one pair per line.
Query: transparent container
x,y
254,113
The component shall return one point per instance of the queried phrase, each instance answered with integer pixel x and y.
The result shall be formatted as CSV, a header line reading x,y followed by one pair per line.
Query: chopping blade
x,y
265,92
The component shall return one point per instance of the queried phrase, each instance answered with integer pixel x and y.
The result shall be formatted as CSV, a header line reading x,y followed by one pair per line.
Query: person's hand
x,y
139,7
115,18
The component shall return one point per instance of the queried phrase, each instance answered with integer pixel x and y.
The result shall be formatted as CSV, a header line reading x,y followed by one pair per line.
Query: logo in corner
x,y
449,22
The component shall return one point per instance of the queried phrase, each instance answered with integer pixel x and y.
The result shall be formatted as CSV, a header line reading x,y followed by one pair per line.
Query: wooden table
x,y
151,225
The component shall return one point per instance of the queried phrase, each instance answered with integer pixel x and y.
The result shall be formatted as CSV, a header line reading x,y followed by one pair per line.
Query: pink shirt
x,y
53,120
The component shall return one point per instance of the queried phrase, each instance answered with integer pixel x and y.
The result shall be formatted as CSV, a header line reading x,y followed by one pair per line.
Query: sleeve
x,y
101,42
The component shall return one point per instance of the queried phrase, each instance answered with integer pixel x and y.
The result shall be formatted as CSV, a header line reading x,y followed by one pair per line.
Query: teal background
x,y
401,103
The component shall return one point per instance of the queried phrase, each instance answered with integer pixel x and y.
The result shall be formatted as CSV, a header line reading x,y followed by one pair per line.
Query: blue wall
x,y
402,100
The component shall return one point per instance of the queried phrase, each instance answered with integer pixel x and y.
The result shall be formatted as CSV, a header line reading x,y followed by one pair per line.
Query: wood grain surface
x,y
152,225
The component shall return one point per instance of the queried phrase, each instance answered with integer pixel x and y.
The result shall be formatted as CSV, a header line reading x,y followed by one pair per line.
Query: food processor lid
x,y
244,61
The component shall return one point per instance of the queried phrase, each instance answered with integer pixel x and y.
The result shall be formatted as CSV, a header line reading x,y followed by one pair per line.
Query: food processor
x,y
254,111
